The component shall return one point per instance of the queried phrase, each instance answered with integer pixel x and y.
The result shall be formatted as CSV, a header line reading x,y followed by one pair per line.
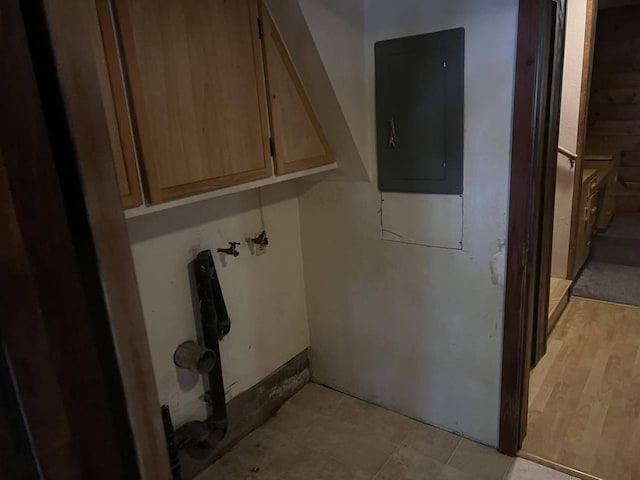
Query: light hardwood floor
x,y
584,404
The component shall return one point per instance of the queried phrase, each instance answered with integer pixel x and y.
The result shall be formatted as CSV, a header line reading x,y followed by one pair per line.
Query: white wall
x,y
347,140
416,329
264,294
340,31
569,113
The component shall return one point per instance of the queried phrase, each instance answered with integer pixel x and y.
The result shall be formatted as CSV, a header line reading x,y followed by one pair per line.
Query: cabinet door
x,y
298,137
197,93
115,108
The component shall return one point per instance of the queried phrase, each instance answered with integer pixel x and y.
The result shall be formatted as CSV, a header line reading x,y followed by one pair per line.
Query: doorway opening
x,y
571,396
607,264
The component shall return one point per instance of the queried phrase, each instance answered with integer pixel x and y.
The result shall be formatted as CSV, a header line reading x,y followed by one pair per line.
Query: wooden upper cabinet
x,y
192,91
298,138
115,107
197,93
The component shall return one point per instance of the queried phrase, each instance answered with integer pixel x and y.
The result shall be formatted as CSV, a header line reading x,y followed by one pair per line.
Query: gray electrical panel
x,y
420,112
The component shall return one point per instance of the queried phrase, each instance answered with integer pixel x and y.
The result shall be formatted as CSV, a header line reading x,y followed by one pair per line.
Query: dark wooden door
x,y
77,394
547,145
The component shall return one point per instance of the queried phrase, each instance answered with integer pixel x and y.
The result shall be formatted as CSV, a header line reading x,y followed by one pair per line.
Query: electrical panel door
x,y
420,112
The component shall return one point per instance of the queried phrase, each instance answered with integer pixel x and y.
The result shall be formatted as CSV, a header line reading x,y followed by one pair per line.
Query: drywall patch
x,y
497,265
419,219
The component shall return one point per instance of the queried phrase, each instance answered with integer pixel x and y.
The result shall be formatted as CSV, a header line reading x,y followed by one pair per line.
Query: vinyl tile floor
x,y
321,434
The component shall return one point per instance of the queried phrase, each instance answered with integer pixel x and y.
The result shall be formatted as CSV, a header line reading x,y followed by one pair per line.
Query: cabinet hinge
x,y
272,146
260,29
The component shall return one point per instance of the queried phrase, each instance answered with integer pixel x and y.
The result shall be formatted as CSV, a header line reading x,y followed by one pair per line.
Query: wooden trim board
x,y
607,302
517,337
556,466
147,209
517,331
116,107
74,334
92,199
558,300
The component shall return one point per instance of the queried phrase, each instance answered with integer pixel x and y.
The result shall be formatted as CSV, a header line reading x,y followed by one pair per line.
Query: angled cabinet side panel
x,y
298,138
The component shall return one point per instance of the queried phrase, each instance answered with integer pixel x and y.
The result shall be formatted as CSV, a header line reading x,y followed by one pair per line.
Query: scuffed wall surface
x,y
413,328
265,294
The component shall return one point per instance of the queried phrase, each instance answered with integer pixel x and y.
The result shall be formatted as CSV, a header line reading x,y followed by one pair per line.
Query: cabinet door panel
x,y
115,107
298,137
197,91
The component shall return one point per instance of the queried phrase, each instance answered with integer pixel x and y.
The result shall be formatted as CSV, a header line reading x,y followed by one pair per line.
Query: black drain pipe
x,y
216,324
199,438
172,447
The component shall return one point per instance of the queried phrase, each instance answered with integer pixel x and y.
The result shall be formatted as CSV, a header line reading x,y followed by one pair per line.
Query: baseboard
x,y
252,408
558,309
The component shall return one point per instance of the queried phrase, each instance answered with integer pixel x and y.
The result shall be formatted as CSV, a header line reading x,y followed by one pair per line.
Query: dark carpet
x,y
612,273
623,227
609,282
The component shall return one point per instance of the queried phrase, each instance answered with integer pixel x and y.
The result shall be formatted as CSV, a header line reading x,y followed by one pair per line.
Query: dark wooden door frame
x,y
517,337
555,29
523,227
535,241
72,334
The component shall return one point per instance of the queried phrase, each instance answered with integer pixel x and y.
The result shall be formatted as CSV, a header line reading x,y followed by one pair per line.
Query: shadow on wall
x,y
328,103
160,223
346,11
